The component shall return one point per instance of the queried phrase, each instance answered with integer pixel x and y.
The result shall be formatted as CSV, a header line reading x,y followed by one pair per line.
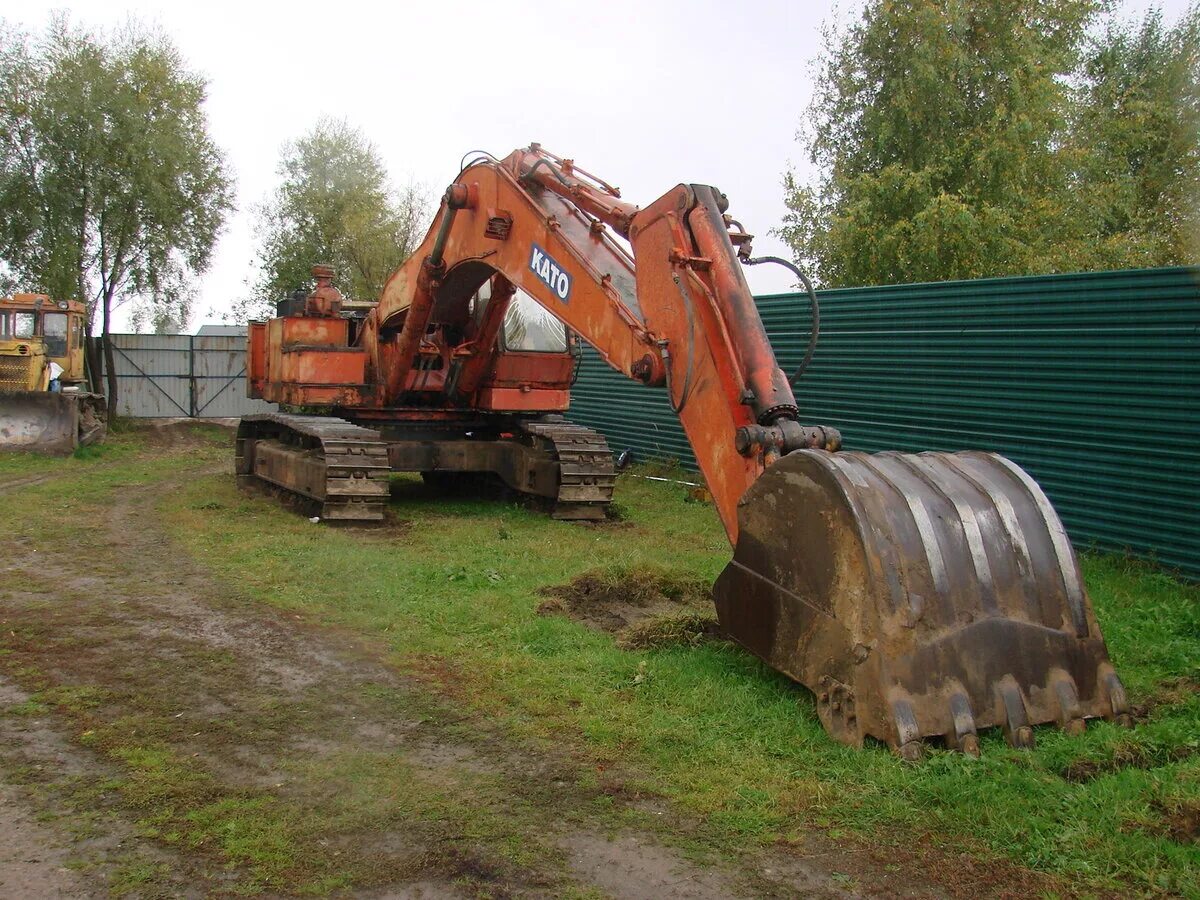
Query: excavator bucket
x,y
50,422
917,596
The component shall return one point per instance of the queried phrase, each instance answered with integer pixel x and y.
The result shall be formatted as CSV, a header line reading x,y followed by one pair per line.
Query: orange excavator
x,y
918,596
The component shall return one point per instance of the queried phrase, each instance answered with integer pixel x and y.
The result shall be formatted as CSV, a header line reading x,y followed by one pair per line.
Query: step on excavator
x,y
919,596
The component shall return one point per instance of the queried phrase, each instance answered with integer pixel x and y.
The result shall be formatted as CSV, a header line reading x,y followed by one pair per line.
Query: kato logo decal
x,y
544,267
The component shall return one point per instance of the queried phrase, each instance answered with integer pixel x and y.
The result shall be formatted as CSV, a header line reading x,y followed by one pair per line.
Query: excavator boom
x,y
918,596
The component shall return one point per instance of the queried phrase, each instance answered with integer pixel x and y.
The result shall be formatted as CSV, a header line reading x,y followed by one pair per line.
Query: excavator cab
x,y
535,357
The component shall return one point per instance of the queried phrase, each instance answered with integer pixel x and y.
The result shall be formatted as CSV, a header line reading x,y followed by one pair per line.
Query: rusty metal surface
x,y
336,468
568,464
586,472
39,420
918,596
340,469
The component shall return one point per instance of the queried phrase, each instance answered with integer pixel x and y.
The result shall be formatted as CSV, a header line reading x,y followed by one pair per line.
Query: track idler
x,y
917,596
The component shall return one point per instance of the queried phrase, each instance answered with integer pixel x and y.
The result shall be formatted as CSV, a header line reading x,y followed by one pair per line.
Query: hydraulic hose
x,y
815,332
553,171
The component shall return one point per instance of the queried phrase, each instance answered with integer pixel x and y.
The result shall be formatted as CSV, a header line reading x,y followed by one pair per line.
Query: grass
x,y
734,746
709,727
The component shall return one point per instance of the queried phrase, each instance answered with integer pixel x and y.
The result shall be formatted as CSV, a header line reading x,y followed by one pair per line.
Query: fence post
x,y
192,375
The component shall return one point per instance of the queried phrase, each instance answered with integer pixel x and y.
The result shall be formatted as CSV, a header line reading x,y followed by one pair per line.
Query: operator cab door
x,y
55,331
69,335
61,330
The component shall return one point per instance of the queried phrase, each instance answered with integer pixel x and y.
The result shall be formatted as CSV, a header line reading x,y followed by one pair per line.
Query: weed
x,y
29,707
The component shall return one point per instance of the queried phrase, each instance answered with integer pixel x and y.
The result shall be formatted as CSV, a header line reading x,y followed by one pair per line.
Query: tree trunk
x,y
93,369
110,368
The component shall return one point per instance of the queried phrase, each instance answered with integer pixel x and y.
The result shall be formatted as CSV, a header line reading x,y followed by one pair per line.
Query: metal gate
x,y
169,375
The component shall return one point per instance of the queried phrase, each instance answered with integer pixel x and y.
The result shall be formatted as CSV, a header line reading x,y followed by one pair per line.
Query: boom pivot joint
x,y
785,436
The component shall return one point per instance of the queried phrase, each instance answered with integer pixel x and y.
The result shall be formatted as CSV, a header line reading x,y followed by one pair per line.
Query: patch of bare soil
x,y
1181,819
1170,692
643,607
1125,755
178,433
628,866
33,861
48,848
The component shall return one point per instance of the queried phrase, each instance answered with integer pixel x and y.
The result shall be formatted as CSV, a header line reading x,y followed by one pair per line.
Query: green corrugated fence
x,y
1089,381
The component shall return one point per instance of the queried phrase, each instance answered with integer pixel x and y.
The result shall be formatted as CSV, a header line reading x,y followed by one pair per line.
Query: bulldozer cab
x,y
32,326
40,336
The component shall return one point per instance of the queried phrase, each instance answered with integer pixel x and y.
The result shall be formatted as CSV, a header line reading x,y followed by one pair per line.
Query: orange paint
x,y
680,317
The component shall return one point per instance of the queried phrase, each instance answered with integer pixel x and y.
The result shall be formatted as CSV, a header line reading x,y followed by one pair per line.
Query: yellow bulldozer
x,y
44,402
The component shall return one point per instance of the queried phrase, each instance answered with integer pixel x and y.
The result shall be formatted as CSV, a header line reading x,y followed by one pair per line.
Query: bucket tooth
x,y
1015,718
963,737
836,707
945,581
907,740
1118,703
1069,715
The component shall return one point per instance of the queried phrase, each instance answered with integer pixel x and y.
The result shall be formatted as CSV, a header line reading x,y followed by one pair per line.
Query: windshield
x,y
530,327
23,324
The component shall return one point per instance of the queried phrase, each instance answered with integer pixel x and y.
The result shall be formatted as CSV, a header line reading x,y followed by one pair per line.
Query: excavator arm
x,y
917,596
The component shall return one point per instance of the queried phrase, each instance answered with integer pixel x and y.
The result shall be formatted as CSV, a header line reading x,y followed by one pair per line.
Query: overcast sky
x,y
644,93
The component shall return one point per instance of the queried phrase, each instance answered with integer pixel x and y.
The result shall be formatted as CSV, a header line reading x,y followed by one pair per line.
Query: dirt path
x,y
143,698
13,482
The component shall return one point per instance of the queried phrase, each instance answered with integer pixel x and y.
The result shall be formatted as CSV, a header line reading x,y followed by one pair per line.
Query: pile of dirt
x,y
1125,754
643,607
179,433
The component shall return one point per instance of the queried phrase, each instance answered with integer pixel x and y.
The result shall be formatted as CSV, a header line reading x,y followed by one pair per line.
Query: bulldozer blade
x,y
38,420
917,596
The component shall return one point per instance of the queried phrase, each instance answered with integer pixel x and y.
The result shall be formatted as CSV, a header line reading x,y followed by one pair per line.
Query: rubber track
x,y
587,473
355,459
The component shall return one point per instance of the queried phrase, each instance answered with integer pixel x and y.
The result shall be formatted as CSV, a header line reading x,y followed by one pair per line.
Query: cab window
x,y
54,329
4,325
529,327
24,324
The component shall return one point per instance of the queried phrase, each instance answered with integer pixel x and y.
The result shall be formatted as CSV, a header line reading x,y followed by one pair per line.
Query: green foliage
x,y
965,140
334,206
109,182
1139,124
